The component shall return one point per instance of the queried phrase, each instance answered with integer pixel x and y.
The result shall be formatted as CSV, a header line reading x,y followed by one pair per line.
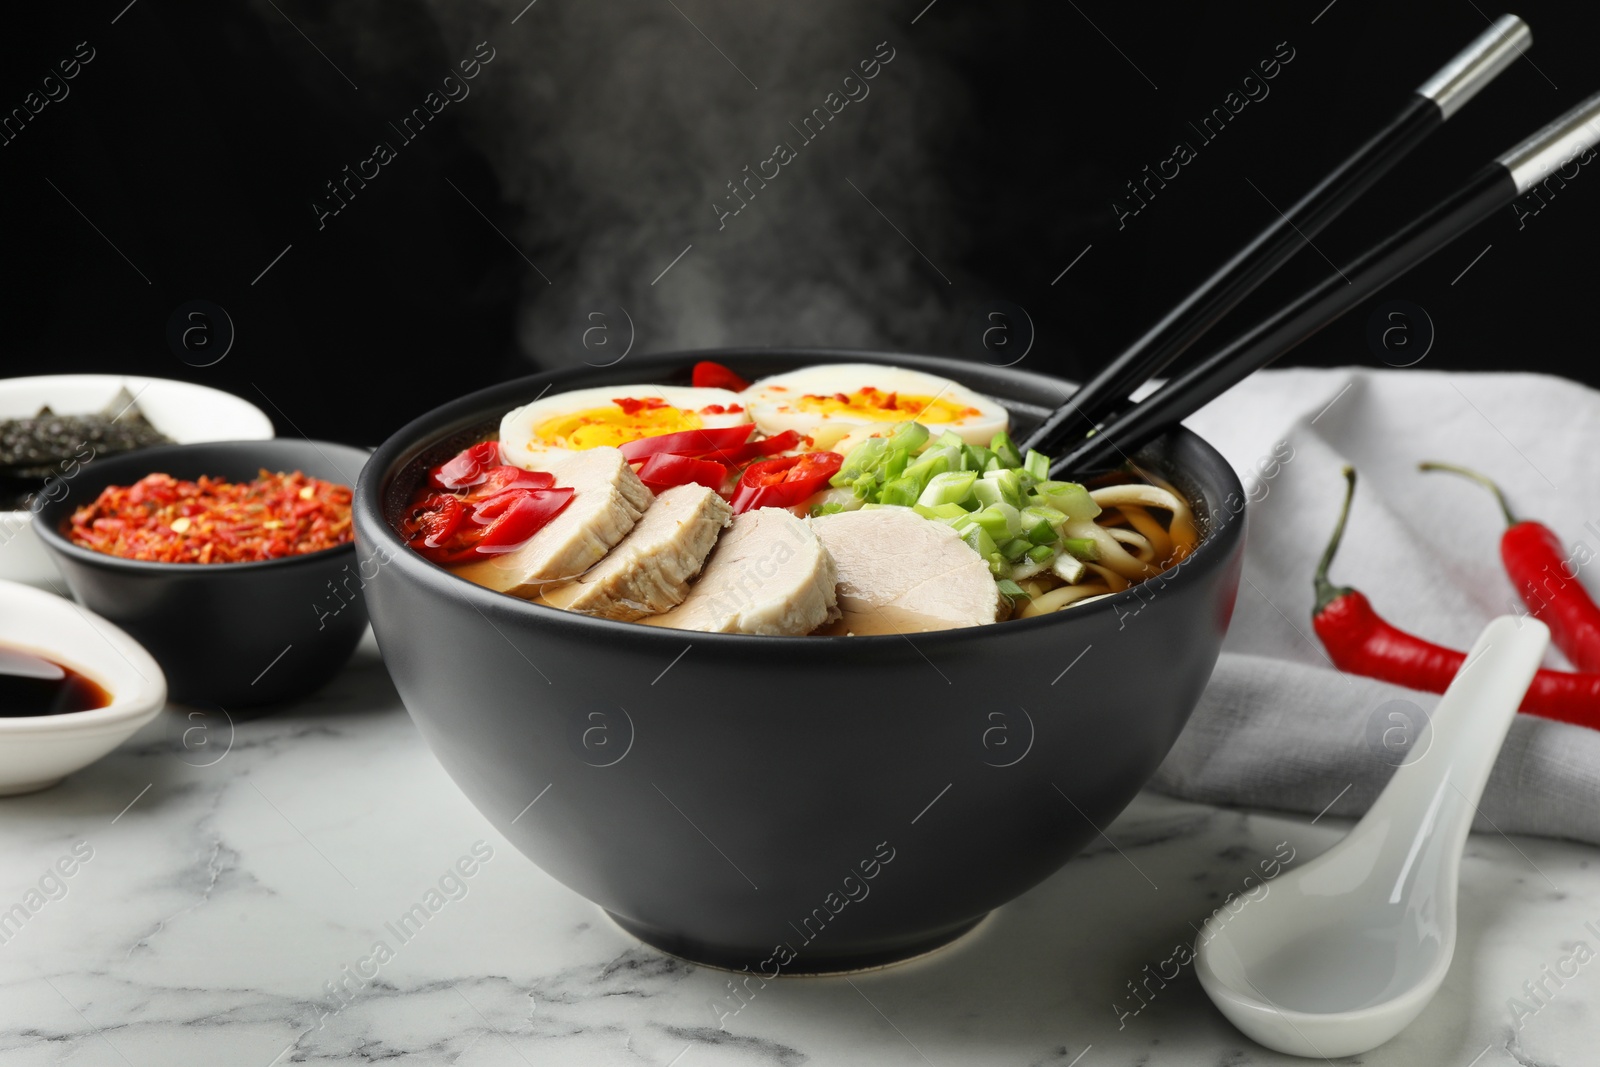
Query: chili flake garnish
x,y
163,520
632,406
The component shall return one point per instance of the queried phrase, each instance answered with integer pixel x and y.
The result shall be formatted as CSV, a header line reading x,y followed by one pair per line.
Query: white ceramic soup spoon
x,y
1341,955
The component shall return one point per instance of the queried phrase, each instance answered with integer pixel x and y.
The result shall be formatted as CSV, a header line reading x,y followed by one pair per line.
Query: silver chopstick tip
x,y
1478,64
1556,146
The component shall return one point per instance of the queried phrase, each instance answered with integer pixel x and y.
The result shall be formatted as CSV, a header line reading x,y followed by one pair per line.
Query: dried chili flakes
x,y
164,520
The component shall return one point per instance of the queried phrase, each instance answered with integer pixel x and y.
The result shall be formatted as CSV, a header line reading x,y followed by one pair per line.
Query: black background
x,y
196,137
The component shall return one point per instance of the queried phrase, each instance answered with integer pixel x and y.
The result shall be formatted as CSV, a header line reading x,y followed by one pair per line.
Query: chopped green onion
x,y
1010,589
1040,513
902,491
1006,450
1015,549
986,491
910,436
979,541
1083,548
844,499
1026,568
861,460
827,507
878,461
1037,465
929,464
994,522
946,513
1009,482
1042,533
1069,568
1069,497
951,487
1042,553
977,457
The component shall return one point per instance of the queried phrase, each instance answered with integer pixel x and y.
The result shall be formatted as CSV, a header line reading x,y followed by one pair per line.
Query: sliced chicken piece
x,y
900,572
607,501
649,572
769,574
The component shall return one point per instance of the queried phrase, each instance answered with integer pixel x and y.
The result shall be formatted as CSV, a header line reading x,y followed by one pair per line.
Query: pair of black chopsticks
x,y
1099,428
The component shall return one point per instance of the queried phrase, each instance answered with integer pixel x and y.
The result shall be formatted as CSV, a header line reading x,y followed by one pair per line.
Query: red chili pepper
x,y
709,375
1536,563
525,516
467,467
441,514
782,483
767,446
493,507
497,480
664,470
688,442
1360,641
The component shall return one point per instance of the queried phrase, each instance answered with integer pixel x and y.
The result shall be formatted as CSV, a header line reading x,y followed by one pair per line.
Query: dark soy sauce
x,y
31,685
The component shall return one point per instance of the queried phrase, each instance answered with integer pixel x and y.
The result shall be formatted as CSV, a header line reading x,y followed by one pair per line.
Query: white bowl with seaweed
x,y
53,426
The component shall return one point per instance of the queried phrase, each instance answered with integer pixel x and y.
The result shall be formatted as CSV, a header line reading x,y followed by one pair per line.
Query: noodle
x,y
1110,550
1185,534
1116,581
1145,523
1142,548
1130,545
1057,599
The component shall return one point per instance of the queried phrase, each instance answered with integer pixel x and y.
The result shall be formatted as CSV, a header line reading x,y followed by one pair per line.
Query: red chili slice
x,y
467,467
709,375
663,471
497,480
767,446
436,519
522,518
782,483
688,442
490,508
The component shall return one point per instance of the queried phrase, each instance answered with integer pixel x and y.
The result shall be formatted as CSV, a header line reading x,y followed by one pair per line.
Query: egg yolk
x,y
878,406
614,425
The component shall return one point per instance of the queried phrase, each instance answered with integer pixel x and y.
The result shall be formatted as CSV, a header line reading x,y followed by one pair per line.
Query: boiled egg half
x,y
612,415
831,402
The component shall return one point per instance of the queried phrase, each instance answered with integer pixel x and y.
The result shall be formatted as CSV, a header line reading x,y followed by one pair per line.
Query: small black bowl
x,y
795,804
232,634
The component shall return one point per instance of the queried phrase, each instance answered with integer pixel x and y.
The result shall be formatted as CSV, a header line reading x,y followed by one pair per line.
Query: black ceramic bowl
x,y
232,634
795,804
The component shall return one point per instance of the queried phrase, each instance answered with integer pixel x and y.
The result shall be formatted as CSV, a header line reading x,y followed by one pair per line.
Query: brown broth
x,y
31,686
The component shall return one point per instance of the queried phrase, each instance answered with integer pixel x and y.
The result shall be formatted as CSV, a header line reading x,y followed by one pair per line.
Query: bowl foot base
x,y
814,962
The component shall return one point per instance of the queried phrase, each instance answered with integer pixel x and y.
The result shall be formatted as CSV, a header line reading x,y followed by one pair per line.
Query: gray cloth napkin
x,y
1279,727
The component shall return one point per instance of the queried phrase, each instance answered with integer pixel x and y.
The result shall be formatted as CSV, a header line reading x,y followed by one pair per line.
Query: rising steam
x,y
616,128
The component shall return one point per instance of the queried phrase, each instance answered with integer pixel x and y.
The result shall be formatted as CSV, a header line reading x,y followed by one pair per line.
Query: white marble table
x,y
227,890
